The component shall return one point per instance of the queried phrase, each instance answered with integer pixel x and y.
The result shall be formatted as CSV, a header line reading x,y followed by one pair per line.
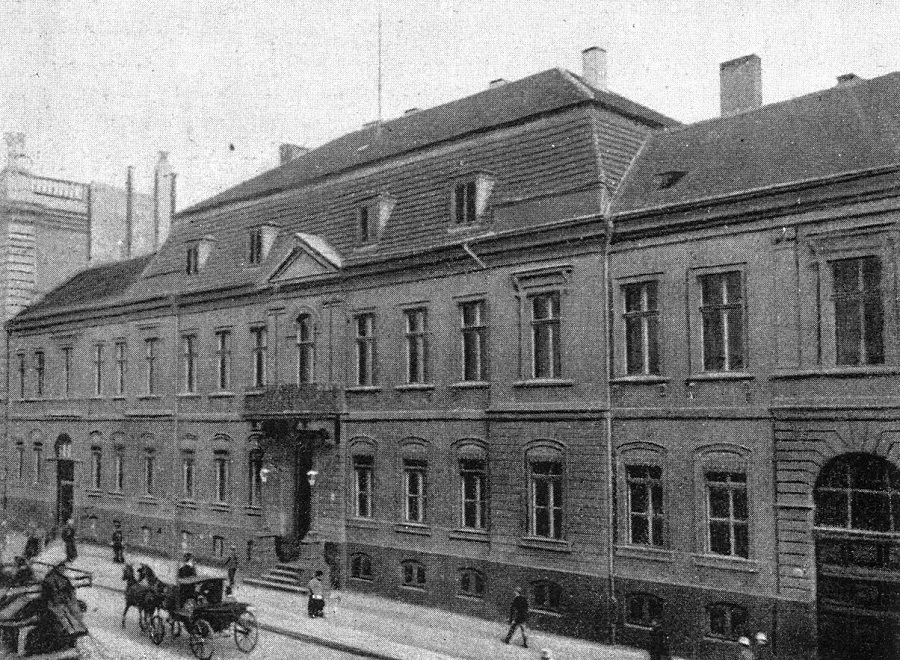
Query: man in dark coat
x,y
659,642
187,569
518,617
32,543
231,565
118,544
68,537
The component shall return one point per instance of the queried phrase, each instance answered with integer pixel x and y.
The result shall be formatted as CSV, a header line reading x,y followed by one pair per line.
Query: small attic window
x,y
668,179
196,254
372,217
469,200
259,242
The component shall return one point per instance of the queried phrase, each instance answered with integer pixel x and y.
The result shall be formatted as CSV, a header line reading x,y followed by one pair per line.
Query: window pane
x,y
657,494
639,530
874,329
652,345
657,531
832,509
634,345
739,499
735,338
713,348
719,538
741,540
871,511
847,332
719,502
639,500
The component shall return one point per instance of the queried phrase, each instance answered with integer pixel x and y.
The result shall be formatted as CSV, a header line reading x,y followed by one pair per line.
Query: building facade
x,y
541,336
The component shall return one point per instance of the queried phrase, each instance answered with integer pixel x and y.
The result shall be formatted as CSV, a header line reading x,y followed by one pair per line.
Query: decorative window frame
x,y
414,449
362,447
313,341
527,284
695,321
620,354
475,449
545,451
642,453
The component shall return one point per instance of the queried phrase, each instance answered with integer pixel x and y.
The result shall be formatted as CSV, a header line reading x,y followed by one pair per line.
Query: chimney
x,y
288,152
497,82
740,83
15,152
162,199
129,210
593,67
847,79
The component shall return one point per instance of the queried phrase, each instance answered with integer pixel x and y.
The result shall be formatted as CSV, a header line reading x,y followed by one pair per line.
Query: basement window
x,y
668,179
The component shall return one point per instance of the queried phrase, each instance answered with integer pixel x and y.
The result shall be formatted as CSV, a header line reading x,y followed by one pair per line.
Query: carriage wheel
x,y
157,629
246,632
201,639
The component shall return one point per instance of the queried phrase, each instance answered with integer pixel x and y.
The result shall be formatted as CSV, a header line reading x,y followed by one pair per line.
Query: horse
x,y
160,595
137,595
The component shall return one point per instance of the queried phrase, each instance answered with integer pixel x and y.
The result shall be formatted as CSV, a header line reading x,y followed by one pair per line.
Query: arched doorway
x,y
65,479
857,530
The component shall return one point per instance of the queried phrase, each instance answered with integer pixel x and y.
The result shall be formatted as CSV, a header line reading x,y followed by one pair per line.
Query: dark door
x,y
302,489
65,489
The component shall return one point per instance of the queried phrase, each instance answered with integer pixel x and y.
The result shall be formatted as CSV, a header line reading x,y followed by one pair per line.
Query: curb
x,y
300,637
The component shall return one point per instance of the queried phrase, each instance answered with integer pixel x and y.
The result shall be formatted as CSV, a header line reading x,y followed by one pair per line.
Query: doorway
x,y
65,479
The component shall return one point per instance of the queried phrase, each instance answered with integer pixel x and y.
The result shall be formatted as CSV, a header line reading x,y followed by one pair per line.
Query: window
x,y
255,255
414,471
546,595
474,332
416,345
546,499
259,338
63,446
254,478
39,374
727,512
473,478
98,370
96,468
306,349
192,261
641,328
22,370
223,360
221,463
465,203
643,610
471,583
119,470
20,461
858,311
363,486
149,473
218,548
368,225
645,505
150,345
726,621
413,574
365,349
187,475
722,315
121,367
38,450
67,370
859,491
545,335
361,567
145,536
189,362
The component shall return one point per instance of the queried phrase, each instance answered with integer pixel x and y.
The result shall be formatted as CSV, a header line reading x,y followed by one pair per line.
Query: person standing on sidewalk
x,y
316,605
745,650
32,542
231,565
659,642
68,537
118,544
518,617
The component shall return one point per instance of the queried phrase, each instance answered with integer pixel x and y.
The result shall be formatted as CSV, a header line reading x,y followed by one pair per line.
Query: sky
x,y
97,85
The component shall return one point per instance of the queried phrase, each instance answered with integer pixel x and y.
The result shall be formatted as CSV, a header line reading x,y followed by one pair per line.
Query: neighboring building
x,y
395,349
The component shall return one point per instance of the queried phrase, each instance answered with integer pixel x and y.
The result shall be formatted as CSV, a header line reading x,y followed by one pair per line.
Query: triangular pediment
x,y
311,257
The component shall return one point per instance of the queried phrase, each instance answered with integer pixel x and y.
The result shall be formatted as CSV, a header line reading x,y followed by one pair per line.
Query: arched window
x,y
306,348
471,583
546,595
63,446
545,502
859,491
473,483
413,574
726,621
643,609
361,567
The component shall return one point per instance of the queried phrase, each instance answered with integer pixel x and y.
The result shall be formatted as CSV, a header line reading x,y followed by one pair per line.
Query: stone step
x,y
266,583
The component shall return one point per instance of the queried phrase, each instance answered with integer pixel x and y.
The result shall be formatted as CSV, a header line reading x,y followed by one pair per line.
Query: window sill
x,y
549,613
410,587
187,504
645,379
220,506
414,387
540,543
148,499
645,552
476,535
118,494
119,397
252,510
363,523
412,528
727,563
148,397
478,225
719,376
221,394
93,492
189,395
544,382
470,385
363,388
837,372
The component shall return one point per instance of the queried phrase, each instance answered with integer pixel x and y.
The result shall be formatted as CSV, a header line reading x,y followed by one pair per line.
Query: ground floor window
x,y
361,567
546,595
471,583
642,610
413,574
726,621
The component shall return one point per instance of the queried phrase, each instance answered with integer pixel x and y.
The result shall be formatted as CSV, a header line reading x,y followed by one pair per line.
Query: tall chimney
x,y
740,82
162,199
288,152
593,67
129,210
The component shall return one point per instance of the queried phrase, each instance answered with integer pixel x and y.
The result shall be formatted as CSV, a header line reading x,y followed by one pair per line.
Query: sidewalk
x,y
365,625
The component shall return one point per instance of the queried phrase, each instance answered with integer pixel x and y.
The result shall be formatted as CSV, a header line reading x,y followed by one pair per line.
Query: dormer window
x,y
371,218
196,254
470,196
260,241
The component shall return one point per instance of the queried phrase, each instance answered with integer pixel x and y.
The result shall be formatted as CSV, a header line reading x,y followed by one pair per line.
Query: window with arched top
x,y
473,482
471,583
63,446
858,492
306,348
545,484
361,567
413,574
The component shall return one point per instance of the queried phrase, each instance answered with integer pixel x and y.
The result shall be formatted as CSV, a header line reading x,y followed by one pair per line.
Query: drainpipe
x,y
481,264
608,418
176,443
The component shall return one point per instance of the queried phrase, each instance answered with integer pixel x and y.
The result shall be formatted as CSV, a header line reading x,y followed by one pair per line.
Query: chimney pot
x,y
593,67
740,85
288,152
497,82
847,79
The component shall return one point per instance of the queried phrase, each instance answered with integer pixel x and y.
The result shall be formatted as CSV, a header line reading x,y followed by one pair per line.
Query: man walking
x,y
118,544
316,605
518,617
231,565
68,537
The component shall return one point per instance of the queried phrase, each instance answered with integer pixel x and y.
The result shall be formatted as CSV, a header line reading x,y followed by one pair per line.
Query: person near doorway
x,y
187,568
316,605
118,544
659,642
68,537
518,618
231,565
745,649
32,542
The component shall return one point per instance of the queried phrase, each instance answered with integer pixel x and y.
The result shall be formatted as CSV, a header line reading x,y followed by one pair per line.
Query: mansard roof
x,y
850,128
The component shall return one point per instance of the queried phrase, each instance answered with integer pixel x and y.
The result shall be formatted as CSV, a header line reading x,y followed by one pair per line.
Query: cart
x,y
199,607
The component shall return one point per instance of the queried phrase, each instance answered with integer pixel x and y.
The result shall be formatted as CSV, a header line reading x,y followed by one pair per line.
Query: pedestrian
x,y
118,545
32,543
68,537
659,642
518,618
745,651
762,651
546,654
316,605
187,569
231,565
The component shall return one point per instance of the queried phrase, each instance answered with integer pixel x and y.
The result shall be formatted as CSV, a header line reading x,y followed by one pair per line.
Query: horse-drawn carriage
x,y
199,607
40,615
